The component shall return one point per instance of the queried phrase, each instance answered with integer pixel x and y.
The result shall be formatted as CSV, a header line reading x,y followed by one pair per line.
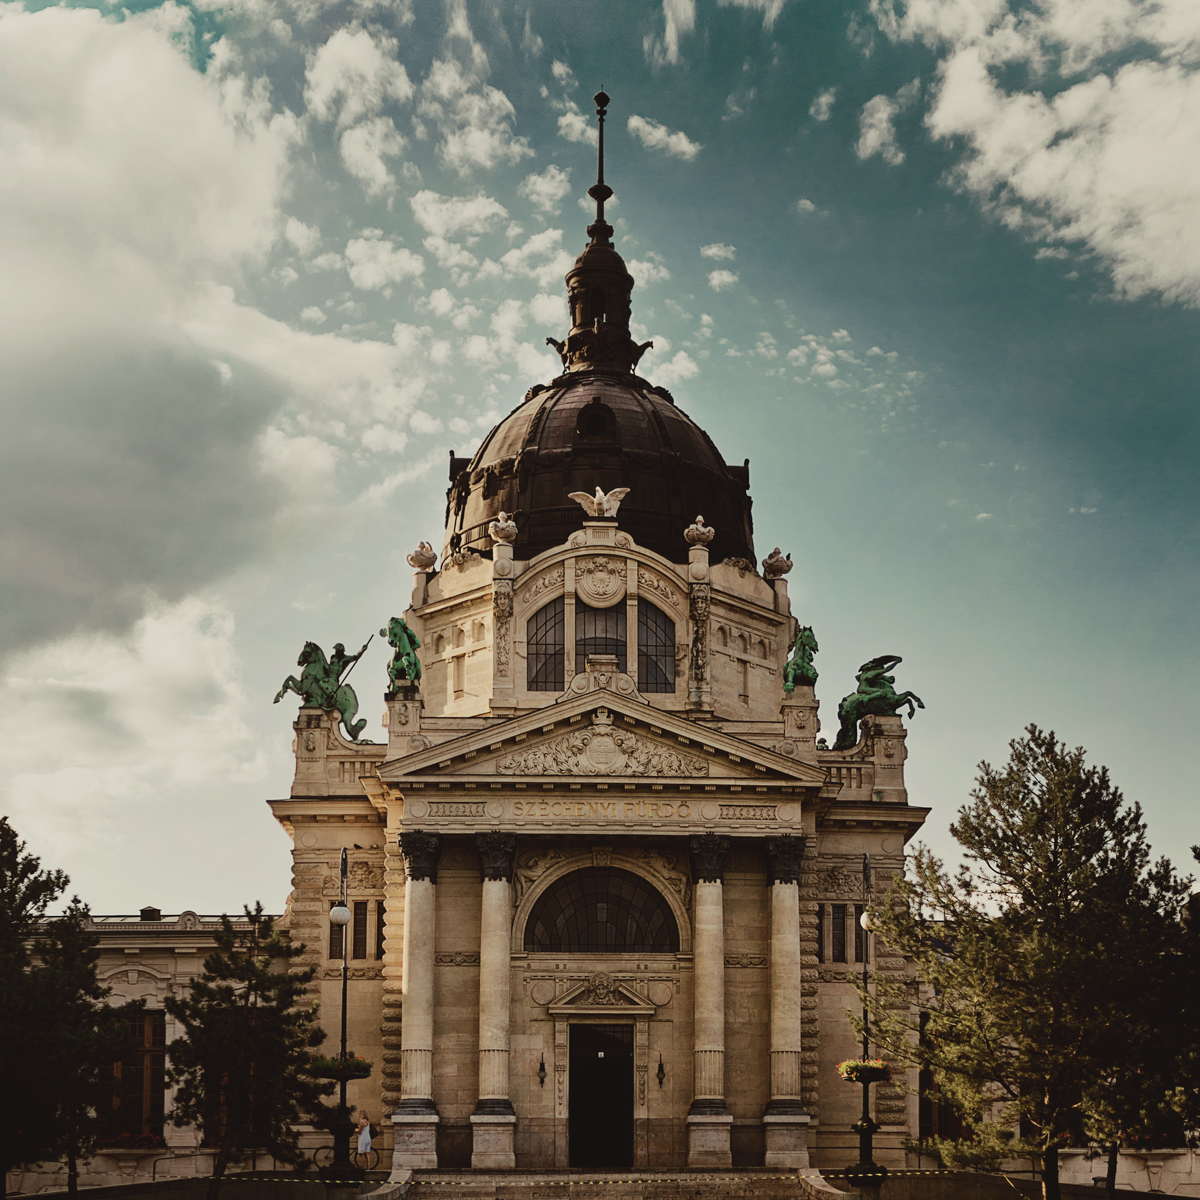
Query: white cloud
x,y
363,149
422,422
719,250
766,346
679,17
655,136
805,206
876,131
822,105
563,74
983,516
444,216
721,279
382,440
313,315
305,238
354,75
770,9
650,270
550,310
576,126
474,118
546,191
450,255
373,262
94,727
130,181
679,368
541,258
1102,155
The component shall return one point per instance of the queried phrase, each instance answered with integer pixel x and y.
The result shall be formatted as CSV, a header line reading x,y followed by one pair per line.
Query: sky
x,y
934,268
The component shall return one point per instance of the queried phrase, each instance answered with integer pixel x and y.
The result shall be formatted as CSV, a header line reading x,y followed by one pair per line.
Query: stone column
x,y
709,1121
415,1118
493,1122
785,1123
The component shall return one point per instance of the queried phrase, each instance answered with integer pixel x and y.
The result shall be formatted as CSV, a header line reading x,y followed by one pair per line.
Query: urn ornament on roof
x,y
697,533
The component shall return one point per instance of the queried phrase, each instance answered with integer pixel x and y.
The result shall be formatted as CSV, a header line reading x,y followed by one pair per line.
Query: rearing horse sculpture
x,y
875,698
320,686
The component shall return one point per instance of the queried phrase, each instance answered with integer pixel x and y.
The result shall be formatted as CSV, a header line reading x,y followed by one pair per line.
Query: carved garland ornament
x,y
551,581
502,609
656,586
601,749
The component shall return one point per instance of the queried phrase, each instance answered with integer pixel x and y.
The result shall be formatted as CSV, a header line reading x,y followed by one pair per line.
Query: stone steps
x,y
640,1185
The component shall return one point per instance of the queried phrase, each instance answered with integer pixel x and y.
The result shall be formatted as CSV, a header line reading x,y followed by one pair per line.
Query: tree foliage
x,y
1052,966
242,1065
58,1035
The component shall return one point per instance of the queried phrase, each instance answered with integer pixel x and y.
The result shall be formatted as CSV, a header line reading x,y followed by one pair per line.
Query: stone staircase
x,y
637,1185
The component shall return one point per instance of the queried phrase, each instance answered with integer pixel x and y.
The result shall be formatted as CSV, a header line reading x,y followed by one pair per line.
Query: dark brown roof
x,y
592,429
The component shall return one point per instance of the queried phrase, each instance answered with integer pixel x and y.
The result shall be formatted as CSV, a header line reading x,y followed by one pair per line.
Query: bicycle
x,y
323,1157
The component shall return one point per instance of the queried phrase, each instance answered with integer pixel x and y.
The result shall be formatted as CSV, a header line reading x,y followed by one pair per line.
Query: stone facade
x,y
489,794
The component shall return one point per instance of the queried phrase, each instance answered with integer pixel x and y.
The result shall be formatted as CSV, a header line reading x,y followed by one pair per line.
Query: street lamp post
x,y
866,1172
342,1168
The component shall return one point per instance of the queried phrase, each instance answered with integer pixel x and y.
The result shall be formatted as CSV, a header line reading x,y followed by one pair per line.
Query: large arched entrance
x,y
601,910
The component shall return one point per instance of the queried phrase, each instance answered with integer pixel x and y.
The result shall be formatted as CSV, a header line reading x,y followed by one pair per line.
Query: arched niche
x,y
560,870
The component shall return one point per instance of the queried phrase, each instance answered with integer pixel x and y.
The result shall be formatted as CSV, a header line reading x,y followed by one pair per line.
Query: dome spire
x,y
600,231
599,288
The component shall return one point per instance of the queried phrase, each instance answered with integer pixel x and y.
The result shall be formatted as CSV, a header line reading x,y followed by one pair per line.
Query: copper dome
x,y
588,430
599,424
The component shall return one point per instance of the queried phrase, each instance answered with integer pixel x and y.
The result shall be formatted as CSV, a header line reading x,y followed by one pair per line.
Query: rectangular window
x,y
545,648
860,935
839,933
141,1084
599,631
337,937
359,947
380,925
820,933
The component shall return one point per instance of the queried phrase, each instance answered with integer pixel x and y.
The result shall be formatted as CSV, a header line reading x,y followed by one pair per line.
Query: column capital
x,y
496,851
709,851
420,850
783,856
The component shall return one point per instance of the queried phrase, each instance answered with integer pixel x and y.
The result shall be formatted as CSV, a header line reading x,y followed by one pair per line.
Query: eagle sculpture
x,y
600,505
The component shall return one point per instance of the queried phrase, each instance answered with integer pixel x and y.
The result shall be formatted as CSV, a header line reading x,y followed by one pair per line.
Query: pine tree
x,y
81,1034
58,1036
1034,958
242,1065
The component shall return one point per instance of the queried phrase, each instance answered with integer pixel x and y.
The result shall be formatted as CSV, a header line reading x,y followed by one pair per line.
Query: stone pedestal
x,y
709,1140
415,1141
492,1142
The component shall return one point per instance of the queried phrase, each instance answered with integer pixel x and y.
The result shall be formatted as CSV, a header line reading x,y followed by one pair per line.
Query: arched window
x,y
599,631
545,648
656,649
602,909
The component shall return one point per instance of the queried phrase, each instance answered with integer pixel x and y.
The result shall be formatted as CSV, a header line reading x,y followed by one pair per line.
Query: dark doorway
x,y
601,1116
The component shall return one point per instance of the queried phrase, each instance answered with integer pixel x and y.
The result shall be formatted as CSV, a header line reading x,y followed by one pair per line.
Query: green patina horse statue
x,y
799,668
875,697
320,685
404,665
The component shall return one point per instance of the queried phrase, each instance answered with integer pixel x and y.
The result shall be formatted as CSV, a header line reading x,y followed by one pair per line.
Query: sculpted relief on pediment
x,y
602,749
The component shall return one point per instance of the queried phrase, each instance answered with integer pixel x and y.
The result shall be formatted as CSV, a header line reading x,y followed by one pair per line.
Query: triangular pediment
x,y
601,996
601,735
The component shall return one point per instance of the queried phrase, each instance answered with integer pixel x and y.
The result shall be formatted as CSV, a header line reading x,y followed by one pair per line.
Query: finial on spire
x,y
600,231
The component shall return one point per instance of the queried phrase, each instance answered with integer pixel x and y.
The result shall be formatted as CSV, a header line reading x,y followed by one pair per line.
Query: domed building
x,y
604,877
